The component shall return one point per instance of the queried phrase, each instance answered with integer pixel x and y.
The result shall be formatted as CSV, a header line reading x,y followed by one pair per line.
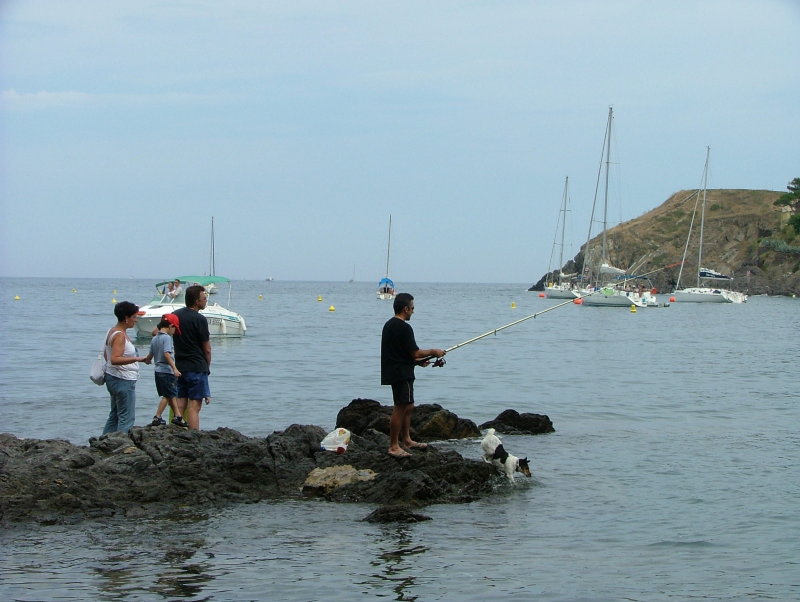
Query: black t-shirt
x,y
189,356
397,351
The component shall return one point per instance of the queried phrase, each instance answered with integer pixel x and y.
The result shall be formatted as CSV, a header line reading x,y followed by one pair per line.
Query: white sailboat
x,y
605,292
561,287
386,286
698,293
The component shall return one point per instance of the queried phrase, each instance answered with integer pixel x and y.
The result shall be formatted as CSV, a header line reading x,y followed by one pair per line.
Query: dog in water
x,y
495,453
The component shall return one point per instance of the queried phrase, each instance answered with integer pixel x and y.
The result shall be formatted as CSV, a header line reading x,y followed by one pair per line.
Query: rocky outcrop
x,y
511,422
429,422
52,480
150,469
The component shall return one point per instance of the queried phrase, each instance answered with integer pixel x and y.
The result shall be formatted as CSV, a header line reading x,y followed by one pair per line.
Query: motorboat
x,y
222,322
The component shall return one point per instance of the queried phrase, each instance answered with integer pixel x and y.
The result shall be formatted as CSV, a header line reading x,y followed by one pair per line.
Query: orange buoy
x,y
541,294
672,299
578,301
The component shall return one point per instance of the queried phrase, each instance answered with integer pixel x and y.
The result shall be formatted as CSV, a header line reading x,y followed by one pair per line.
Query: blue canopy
x,y
386,282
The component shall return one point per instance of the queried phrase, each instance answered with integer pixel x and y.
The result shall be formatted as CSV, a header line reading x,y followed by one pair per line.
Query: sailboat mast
x,y
563,227
703,216
605,200
388,245
212,265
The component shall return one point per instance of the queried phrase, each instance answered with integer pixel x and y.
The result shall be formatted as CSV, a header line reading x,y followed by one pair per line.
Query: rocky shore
x,y
152,468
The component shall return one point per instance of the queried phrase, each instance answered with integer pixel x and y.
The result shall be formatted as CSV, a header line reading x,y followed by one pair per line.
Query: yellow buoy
x,y
633,309
74,290
16,297
114,292
513,305
331,308
113,300
319,297
260,297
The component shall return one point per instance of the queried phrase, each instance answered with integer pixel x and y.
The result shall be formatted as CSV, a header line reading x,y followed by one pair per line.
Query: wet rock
x,y
395,514
53,480
511,422
324,480
429,422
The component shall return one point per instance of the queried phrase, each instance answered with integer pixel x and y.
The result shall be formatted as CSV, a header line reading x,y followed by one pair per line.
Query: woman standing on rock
x,y
122,369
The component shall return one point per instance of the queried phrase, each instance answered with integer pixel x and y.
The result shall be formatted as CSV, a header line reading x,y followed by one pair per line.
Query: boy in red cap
x,y
166,372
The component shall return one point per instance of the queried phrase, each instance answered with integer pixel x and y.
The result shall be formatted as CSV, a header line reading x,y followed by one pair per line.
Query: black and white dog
x,y
495,453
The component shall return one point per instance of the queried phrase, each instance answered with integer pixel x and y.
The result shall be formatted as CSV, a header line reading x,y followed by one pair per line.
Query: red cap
x,y
174,320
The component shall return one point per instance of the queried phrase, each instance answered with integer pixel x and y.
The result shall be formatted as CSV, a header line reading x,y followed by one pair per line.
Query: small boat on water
x,y
222,322
386,286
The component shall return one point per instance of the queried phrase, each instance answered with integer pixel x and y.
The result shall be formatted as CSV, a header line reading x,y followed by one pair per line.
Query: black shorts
x,y
403,393
166,384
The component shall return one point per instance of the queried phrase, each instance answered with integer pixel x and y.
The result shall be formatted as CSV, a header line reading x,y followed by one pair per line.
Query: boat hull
x,y
708,295
555,292
221,322
614,298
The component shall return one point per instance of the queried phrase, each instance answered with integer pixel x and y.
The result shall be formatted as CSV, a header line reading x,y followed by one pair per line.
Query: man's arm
x,y
207,352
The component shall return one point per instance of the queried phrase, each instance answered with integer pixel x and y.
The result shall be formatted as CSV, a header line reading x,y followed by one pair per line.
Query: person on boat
x,y
166,372
193,356
122,369
399,354
174,289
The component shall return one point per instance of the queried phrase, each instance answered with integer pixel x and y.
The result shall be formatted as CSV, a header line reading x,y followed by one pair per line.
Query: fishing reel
x,y
439,363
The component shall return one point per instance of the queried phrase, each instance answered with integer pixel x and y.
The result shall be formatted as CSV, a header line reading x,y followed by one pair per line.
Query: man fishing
x,y
399,354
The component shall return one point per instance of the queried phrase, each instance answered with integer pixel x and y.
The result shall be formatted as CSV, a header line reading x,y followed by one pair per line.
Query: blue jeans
x,y
123,404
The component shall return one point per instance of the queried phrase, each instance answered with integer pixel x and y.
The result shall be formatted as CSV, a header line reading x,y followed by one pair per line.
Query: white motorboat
x,y
222,322
698,293
386,288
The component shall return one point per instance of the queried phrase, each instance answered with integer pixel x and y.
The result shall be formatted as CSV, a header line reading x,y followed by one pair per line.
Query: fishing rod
x,y
439,362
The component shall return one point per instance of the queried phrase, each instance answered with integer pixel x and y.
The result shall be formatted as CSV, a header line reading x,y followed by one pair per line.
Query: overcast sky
x,y
302,125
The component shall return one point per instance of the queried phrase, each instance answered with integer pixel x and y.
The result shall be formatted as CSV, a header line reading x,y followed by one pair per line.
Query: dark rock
x,y
429,422
54,481
511,422
394,514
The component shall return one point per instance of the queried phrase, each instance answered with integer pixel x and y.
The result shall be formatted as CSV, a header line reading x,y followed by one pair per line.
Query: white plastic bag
x,y
97,371
336,441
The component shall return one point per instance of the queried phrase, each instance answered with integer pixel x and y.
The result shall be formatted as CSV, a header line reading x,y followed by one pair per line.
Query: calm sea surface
x,y
673,473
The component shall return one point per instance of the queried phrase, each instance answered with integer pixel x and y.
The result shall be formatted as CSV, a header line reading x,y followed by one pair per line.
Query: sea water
x,y
672,475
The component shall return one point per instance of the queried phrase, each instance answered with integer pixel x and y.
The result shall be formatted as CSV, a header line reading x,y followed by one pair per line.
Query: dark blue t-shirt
x,y
397,351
